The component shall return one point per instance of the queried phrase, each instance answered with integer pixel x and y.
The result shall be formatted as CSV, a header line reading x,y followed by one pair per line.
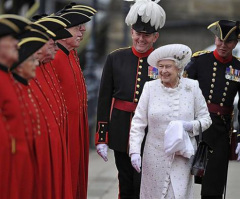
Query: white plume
x,y
149,11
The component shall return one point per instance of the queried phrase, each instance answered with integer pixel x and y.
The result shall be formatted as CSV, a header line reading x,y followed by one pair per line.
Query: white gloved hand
x,y
187,126
136,161
238,151
102,151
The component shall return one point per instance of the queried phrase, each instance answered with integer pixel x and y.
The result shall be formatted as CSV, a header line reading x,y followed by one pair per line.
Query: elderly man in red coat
x,y
67,67
16,172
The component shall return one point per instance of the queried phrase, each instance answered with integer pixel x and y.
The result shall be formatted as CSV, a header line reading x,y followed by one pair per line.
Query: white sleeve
x,y
200,111
139,122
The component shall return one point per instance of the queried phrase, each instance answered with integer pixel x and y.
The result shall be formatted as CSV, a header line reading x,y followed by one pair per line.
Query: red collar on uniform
x,y
216,55
140,55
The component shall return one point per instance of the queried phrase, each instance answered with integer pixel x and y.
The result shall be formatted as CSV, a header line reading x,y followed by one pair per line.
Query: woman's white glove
x,y
238,151
102,151
187,126
136,161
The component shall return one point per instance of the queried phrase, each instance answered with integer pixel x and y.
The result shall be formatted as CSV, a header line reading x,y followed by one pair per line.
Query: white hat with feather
x,y
146,16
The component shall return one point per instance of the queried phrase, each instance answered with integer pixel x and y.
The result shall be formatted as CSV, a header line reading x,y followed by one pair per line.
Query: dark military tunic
x,y
123,78
219,81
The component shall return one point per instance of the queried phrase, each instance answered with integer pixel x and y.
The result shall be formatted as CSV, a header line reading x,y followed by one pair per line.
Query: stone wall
x,y
187,20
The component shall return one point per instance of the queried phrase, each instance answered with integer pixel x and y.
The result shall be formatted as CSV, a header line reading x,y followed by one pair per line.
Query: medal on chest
x,y
152,72
232,74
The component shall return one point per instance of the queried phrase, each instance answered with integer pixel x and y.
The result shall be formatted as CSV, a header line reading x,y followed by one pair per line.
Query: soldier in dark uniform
x,y
124,74
218,73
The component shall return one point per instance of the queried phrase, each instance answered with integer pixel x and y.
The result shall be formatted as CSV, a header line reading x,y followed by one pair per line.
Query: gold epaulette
x,y
120,49
198,53
238,58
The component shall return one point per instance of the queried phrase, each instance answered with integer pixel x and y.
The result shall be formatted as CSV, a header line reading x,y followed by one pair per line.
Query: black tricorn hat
x,y
87,10
42,29
11,24
225,30
57,25
76,18
29,45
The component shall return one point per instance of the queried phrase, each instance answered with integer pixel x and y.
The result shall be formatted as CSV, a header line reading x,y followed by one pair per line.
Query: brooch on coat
x,y
188,88
152,72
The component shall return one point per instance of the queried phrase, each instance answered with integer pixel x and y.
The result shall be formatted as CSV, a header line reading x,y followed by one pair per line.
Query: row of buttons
x,y
136,96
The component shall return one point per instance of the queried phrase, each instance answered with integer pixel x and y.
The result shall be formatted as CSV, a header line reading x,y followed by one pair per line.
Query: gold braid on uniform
x,y
198,53
120,49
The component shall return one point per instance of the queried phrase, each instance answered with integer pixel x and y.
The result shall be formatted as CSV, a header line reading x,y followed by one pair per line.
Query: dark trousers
x,y
129,179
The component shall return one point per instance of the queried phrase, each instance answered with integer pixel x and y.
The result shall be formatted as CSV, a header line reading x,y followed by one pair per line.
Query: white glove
x,y
136,161
187,126
102,151
238,151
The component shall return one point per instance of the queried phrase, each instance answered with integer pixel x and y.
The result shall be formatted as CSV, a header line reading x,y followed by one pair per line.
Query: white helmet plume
x,y
148,11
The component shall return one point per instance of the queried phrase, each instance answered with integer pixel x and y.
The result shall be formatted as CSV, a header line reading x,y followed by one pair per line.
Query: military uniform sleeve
x,y
104,103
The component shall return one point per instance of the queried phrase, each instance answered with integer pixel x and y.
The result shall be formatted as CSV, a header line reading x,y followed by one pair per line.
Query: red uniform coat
x,y
22,176
61,178
47,76
5,161
73,86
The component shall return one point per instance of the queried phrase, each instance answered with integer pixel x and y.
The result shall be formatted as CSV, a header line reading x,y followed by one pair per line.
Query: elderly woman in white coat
x,y
167,99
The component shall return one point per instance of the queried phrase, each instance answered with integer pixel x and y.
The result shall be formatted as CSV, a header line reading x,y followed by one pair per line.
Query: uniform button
x,y
211,91
212,85
101,139
227,83
218,113
213,80
140,66
139,73
138,79
221,104
214,74
137,92
223,99
138,86
210,97
225,88
230,66
215,63
141,60
135,100
102,125
101,131
224,94
209,102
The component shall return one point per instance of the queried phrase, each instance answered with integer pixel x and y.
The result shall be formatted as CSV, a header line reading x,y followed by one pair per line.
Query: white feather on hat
x,y
179,53
149,11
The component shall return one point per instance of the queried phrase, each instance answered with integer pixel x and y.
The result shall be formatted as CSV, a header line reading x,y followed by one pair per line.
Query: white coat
x,y
166,176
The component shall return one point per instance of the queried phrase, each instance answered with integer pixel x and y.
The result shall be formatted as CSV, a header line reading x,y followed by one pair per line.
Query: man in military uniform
x,y
124,74
219,79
